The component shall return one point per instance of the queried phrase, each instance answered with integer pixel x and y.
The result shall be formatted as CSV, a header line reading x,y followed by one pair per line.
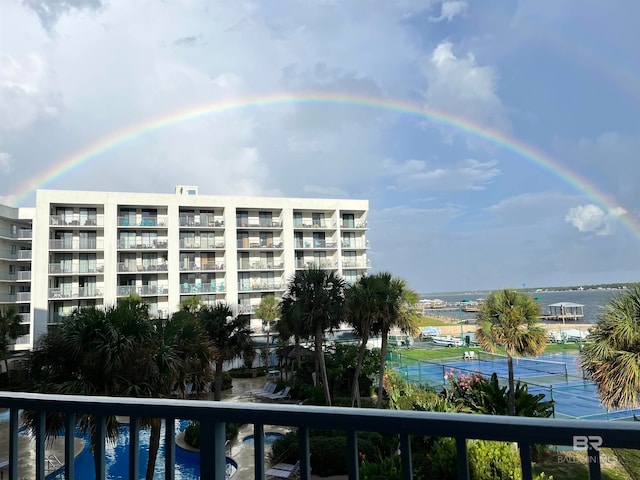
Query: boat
x,y
447,341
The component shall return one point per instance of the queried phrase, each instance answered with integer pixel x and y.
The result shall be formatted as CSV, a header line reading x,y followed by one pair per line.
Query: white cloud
x,y
592,219
463,88
6,163
414,174
449,9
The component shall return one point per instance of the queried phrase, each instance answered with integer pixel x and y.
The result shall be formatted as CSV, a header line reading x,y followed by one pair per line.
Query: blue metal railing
x,y
213,415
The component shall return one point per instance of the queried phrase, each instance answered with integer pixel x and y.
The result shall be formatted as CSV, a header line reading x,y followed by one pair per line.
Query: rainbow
x,y
491,136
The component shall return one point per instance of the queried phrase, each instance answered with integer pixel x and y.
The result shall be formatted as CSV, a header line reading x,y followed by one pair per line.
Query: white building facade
x,y
78,248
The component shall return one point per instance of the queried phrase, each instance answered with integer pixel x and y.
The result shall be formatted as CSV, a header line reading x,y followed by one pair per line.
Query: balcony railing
x,y
246,309
8,277
142,268
68,269
82,292
198,288
323,224
23,296
213,415
76,244
143,290
354,225
24,275
355,244
20,234
260,224
140,221
356,264
261,287
198,245
260,266
258,244
159,244
76,220
315,244
202,221
24,254
318,264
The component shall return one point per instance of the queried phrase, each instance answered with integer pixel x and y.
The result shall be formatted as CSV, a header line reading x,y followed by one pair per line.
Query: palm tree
x,y
363,307
510,318
612,358
397,310
96,352
10,329
229,334
268,311
314,299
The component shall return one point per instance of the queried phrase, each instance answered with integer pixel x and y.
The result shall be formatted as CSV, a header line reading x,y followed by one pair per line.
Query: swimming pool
x,y
187,465
269,438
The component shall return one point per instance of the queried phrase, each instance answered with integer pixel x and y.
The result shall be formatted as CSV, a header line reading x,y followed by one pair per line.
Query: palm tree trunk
x,y
6,367
383,360
323,369
355,391
154,446
217,384
266,361
512,393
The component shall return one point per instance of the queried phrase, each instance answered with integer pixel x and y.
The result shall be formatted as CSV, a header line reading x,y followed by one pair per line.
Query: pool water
x,y
269,438
187,465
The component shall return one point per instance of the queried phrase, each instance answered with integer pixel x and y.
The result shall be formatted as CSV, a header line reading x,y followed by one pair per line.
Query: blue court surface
x,y
558,376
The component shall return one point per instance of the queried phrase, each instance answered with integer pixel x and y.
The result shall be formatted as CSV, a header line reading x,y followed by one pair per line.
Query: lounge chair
x,y
284,470
268,388
277,396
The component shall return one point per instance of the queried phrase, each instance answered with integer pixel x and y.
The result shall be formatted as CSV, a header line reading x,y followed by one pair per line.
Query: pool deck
x,y
54,452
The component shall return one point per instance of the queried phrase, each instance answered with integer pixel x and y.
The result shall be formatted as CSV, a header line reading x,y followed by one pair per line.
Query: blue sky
x,y
448,210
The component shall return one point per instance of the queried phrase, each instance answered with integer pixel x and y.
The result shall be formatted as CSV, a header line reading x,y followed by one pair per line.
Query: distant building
x,y
78,248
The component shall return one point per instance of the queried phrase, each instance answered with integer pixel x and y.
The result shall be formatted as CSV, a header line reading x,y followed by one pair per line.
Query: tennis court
x,y
558,376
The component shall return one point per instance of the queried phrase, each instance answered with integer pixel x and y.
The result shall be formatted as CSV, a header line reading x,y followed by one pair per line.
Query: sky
x,y
450,209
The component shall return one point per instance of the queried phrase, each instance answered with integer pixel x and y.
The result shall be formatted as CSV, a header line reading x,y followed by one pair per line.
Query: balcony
x,y
315,245
159,244
143,222
20,234
355,244
76,221
23,296
348,225
24,254
246,309
260,266
6,254
132,267
197,245
143,290
82,292
212,266
213,415
321,225
326,264
265,225
24,276
76,244
201,221
258,244
8,277
199,288
356,264
71,268
261,287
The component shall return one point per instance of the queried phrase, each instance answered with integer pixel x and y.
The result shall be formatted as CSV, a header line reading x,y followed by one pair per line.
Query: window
x,y
127,240
299,239
348,220
266,219
319,240
317,219
88,240
242,218
297,219
87,262
348,240
266,239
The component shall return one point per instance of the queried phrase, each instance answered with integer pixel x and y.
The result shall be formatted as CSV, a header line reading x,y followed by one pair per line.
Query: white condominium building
x,y
79,248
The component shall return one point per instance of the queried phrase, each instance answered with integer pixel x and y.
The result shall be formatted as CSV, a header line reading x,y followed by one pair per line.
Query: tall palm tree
x,y
363,307
10,329
612,358
229,334
314,299
268,311
510,318
397,310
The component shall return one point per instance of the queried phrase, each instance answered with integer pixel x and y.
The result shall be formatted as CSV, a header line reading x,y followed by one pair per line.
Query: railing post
x,y
258,450
40,444
525,460
593,461
212,464
13,443
134,447
463,460
405,452
100,451
69,446
305,463
169,448
353,461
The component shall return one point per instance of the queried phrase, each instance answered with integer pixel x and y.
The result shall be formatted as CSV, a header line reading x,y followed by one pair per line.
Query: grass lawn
x,y
573,465
433,322
435,353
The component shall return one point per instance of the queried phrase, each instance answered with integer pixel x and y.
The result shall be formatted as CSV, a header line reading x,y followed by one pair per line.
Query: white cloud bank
x,y
592,219
449,10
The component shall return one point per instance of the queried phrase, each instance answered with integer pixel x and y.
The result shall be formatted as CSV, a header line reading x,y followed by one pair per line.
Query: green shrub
x,y
494,460
192,433
328,455
244,372
285,449
388,469
227,381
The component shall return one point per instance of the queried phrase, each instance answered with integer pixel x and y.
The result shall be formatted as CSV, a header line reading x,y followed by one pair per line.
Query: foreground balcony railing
x,y
213,415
